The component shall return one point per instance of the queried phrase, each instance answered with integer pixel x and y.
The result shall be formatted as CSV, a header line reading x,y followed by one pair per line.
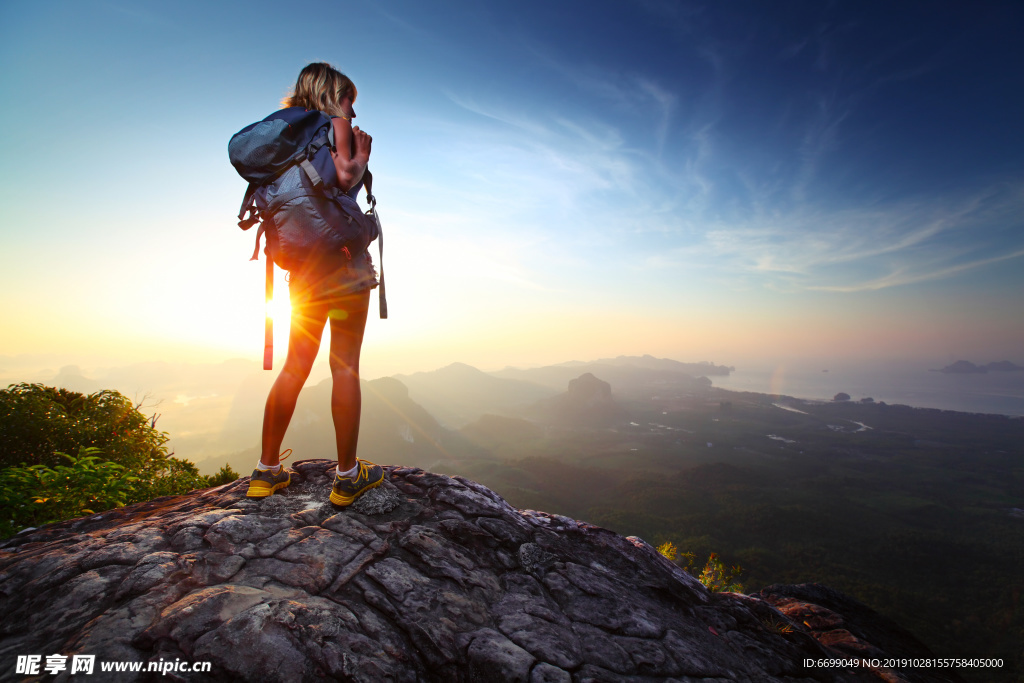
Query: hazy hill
x,y
630,380
505,437
648,361
212,410
587,403
1004,366
967,367
458,393
962,367
170,380
70,377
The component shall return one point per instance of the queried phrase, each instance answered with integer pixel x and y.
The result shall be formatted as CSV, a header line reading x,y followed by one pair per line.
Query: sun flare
x,y
279,308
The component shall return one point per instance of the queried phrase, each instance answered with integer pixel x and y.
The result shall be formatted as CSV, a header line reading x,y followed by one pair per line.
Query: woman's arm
x,y
352,153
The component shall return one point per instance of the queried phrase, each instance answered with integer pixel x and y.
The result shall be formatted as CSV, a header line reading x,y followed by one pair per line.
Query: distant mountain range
x,y
459,394
437,419
631,377
648,361
966,367
214,412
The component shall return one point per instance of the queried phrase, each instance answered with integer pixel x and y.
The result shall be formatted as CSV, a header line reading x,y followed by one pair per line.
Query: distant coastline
x,y
991,392
965,367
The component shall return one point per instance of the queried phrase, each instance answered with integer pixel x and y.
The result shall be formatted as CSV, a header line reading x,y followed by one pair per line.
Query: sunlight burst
x,y
279,308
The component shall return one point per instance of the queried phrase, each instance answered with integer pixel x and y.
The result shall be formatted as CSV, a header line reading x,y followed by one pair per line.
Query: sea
x,y
906,383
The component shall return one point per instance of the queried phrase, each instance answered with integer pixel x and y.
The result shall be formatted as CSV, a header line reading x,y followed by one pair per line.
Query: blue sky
x,y
704,181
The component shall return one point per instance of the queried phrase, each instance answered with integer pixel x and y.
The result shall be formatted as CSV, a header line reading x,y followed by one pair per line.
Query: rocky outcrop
x,y
847,627
587,403
963,367
426,578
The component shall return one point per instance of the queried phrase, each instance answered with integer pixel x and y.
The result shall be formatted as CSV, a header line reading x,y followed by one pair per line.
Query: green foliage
x,y
168,477
122,458
39,422
685,560
714,576
669,550
225,475
35,495
717,578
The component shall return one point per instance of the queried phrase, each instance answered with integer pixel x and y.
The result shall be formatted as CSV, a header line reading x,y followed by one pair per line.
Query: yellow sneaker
x,y
347,489
263,483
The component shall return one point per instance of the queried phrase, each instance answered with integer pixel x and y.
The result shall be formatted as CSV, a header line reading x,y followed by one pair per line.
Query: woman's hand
x,y
361,142
351,153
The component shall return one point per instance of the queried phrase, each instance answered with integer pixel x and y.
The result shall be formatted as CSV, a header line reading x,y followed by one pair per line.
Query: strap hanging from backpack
x,y
372,201
268,333
249,204
259,234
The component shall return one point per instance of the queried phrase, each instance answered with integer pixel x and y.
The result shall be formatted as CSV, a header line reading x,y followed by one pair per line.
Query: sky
x,y
742,183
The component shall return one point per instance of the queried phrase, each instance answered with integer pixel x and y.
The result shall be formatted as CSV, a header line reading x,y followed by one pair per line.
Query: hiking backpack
x,y
294,195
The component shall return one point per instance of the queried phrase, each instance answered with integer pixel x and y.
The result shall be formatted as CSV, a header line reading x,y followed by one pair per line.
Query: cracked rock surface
x,y
425,578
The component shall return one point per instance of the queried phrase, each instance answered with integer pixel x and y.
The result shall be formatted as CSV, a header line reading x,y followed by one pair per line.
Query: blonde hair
x,y
320,86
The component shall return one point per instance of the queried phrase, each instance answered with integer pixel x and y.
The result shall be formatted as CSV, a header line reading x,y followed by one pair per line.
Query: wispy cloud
x,y
863,249
666,104
820,138
409,28
904,277
497,113
650,168
640,95
557,163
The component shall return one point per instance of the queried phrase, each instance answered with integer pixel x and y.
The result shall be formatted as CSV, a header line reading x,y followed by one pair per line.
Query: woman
x,y
332,289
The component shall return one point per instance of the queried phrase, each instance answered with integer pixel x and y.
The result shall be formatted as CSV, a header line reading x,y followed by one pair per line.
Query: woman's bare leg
x,y
348,321
307,327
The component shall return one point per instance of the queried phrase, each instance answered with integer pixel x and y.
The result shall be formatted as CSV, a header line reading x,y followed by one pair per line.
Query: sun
x,y
279,308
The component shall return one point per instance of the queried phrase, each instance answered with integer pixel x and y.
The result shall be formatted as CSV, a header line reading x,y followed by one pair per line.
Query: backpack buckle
x,y
247,223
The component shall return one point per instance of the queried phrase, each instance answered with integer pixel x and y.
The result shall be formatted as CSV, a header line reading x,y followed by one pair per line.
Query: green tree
x,y
38,422
122,457
225,475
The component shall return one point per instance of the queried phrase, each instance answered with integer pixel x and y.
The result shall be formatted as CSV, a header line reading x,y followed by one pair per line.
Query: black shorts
x,y
333,286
